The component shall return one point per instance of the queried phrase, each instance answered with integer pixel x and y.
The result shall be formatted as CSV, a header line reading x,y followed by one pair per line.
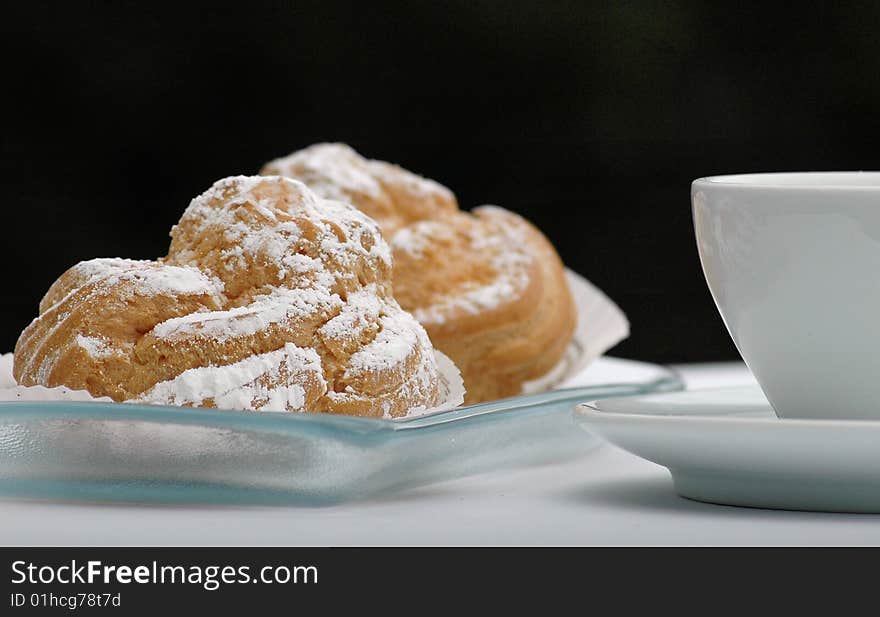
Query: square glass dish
x,y
140,453
90,450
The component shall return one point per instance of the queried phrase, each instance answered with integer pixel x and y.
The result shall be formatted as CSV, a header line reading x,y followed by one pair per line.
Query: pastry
x,y
270,298
489,288
390,195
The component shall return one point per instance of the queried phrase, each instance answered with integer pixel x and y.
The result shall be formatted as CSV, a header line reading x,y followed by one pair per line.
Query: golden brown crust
x,y
504,316
489,288
92,319
387,193
270,297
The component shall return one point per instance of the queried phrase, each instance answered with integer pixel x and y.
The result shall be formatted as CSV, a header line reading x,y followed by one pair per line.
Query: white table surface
x,y
606,498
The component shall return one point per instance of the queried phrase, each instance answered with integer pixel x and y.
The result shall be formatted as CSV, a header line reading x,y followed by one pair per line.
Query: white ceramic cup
x,y
793,262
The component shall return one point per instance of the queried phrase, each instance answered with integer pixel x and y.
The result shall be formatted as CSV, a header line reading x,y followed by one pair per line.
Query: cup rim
x,y
795,181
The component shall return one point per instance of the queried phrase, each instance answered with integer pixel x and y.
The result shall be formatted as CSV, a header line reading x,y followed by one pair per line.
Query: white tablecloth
x,y
606,498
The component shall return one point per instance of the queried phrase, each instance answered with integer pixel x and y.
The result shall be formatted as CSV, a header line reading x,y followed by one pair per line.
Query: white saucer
x,y
727,446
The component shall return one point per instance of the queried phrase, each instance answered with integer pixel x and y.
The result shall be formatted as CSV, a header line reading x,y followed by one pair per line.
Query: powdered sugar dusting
x,y
293,221
240,188
414,184
148,277
451,387
46,366
396,340
362,308
333,170
99,267
336,171
200,382
97,348
290,221
268,253
277,243
413,239
98,278
277,307
238,385
510,259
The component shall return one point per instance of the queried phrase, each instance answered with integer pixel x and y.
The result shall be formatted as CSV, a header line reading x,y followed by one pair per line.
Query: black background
x,y
590,119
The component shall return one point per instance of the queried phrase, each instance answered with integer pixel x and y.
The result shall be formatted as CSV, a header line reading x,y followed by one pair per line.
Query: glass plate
x,y
136,453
